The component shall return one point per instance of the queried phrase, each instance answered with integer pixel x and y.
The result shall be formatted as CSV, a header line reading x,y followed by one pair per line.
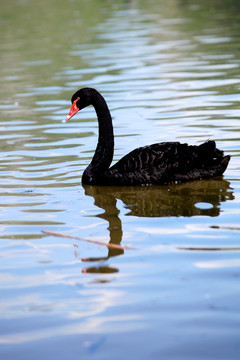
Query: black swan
x,y
161,163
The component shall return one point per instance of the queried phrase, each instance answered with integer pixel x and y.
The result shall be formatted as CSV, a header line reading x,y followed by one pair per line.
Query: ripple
x,y
168,73
202,205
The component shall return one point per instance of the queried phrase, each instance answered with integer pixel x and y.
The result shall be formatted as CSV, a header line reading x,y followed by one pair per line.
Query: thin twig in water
x,y
109,245
205,248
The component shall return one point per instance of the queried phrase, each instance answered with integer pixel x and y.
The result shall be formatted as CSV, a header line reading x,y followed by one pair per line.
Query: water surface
x,y
169,72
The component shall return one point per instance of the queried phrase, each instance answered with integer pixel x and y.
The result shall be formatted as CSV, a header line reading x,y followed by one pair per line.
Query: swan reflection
x,y
155,201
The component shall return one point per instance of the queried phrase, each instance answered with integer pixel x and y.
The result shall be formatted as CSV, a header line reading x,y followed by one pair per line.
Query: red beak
x,y
74,109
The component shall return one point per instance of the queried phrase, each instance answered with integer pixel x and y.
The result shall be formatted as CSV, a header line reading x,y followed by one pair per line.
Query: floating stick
x,y
109,245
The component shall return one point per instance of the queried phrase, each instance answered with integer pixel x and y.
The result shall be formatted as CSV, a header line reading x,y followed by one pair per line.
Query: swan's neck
x,y
105,146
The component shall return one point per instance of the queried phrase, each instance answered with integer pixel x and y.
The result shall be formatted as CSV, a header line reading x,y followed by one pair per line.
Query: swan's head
x,y
81,99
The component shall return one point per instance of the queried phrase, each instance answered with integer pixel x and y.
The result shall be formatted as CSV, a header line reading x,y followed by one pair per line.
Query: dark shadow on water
x,y
198,198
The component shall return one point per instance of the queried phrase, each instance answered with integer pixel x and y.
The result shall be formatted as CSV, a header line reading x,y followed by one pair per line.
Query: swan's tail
x,y
214,158
224,163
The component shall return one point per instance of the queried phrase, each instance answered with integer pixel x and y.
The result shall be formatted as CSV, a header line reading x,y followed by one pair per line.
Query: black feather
x,y
160,163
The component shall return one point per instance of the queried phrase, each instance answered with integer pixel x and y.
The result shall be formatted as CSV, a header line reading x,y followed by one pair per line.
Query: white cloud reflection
x,y
218,264
93,325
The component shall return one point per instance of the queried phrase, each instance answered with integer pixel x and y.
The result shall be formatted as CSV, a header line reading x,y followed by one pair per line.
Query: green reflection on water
x,y
170,69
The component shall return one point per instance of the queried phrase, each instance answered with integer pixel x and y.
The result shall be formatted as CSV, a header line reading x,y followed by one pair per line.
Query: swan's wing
x,y
167,162
145,165
147,157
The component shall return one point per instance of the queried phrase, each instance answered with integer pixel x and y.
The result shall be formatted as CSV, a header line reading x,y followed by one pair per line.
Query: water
x,y
169,71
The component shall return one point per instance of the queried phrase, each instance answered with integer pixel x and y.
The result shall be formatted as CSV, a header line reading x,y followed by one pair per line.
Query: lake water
x,y
169,70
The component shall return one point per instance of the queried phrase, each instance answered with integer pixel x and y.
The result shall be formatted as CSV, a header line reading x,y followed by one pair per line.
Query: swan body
x,y
160,163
